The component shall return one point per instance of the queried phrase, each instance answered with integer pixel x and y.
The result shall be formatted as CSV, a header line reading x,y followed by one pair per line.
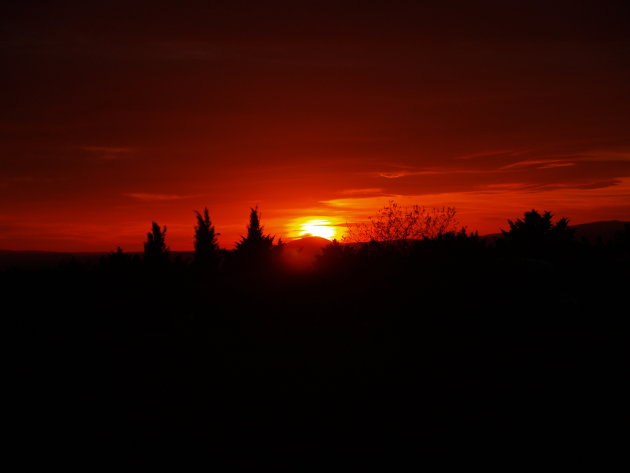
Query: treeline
x,y
384,342
253,249
396,238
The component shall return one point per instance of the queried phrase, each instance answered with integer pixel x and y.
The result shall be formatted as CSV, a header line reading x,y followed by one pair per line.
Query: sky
x,y
117,114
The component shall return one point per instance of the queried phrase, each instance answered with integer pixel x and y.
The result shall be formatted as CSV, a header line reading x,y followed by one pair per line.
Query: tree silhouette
x,y
155,249
118,257
206,244
537,236
396,223
256,246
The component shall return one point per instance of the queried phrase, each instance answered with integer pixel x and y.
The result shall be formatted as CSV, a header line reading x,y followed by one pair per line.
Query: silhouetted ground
x,y
449,344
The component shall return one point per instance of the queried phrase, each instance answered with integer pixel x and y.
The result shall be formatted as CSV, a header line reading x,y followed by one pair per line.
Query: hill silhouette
x,y
604,230
302,252
43,259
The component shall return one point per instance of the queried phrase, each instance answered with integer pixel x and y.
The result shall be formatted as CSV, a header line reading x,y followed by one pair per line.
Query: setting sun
x,y
317,226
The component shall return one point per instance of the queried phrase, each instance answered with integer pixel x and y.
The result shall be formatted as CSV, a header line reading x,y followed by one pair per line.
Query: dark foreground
x,y
454,347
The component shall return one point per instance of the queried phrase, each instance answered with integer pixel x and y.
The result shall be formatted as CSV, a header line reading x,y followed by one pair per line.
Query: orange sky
x,y
115,115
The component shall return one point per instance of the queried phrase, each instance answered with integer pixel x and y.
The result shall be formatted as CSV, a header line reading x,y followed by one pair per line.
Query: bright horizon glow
x,y
317,226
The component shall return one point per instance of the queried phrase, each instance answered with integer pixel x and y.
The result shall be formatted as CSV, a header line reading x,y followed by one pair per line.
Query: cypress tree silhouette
x,y
155,249
256,246
206,244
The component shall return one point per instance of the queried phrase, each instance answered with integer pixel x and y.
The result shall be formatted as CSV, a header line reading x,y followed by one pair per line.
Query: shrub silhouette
x,y
206,244
155,249
117,258
537,236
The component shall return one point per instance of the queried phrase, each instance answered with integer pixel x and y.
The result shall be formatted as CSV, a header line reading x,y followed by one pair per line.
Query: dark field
x,y
453,343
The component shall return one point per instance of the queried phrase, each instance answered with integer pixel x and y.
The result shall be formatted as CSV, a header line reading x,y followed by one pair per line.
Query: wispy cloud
x,y
487,207
536,162
359,203
427,172
556,165
604,155
493,153
158,197
398,174
570,159
364,191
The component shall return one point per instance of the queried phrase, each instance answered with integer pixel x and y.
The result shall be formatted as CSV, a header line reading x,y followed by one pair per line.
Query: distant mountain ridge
x,y
591,231
606,230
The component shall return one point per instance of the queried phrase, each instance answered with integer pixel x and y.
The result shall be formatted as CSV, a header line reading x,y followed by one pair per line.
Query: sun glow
x,y
314,226
319,228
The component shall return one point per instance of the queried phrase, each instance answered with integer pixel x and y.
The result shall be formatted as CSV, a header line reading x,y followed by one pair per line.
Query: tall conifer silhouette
x,y
155,249
256,246
206,244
